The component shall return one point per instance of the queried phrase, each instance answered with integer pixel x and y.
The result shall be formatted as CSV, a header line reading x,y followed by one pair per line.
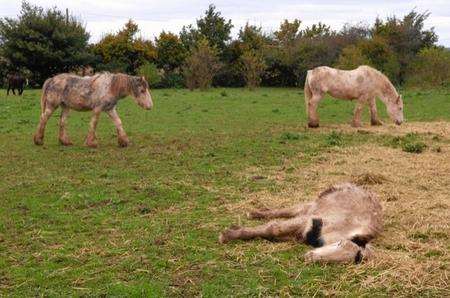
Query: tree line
x,y
43,42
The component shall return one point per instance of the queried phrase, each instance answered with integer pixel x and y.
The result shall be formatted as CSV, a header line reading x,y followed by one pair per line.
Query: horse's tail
x,y
44,96
308,93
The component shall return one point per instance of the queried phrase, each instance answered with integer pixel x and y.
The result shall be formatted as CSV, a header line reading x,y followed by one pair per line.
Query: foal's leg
x,y
121,134
313,117
344,251
63,137
279,213
39,136
91,139
373,112
357,113
270,230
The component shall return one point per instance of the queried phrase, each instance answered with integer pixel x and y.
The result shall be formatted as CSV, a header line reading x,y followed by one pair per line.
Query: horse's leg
x,y
357,113
271,230
63,137
39,136
91,139
121,134
7,91
279,213
373,112
313,117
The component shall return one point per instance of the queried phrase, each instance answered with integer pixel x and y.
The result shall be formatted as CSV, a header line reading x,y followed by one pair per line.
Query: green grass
x,y
145,220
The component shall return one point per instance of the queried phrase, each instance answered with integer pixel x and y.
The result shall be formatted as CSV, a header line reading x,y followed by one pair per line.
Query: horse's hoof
x,y
313,124
356,125
123,143
376,123
91,145
38,141
65,143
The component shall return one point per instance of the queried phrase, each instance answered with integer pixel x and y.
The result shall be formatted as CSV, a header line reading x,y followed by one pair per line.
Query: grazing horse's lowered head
x,y
394,106
98,93
363,84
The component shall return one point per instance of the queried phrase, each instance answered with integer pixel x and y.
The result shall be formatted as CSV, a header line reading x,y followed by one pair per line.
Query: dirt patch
x,y
413,252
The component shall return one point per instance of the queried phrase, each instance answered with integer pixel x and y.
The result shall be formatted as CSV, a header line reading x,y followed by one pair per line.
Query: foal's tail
x,y
308,93
44,95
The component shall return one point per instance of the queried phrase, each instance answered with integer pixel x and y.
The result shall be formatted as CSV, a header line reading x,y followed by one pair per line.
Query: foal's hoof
x,y
228,235
38,141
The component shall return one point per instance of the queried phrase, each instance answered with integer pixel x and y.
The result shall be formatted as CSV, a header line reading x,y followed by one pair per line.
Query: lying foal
x,y
339,224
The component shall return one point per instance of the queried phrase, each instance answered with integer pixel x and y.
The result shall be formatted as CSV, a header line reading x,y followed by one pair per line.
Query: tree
x,y
170,51
406,37
253,67
211,26
123,51
201,66
44,42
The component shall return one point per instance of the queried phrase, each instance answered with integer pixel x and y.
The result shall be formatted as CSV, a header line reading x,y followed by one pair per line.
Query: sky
x,y
153,16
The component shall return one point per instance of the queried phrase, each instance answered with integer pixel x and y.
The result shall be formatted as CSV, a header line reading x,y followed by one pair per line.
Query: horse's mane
x,y
386,86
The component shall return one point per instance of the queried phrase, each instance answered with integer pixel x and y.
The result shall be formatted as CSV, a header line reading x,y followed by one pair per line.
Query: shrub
x,y
201,66
150,72
431,69
253,67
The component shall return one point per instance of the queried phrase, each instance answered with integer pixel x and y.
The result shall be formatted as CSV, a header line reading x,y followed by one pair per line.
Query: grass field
x,y
144,220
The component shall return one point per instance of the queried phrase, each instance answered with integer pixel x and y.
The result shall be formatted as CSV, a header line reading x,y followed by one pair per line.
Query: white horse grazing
x,y
364,84
339,223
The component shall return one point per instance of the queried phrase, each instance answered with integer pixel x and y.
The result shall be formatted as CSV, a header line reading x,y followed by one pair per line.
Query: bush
x,y
431,69
201,66
253,67
150,72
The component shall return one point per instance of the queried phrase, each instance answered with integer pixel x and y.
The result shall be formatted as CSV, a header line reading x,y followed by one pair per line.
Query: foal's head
x,y
141,92
395,109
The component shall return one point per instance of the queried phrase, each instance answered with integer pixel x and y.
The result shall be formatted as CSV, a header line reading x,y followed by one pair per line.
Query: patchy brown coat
x,y
98,93
364,84
339,223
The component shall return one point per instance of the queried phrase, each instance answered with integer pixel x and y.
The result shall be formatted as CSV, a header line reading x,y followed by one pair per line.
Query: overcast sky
x,y
153,16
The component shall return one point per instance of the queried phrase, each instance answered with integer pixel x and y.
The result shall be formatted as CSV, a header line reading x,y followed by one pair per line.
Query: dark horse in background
x,y
16,81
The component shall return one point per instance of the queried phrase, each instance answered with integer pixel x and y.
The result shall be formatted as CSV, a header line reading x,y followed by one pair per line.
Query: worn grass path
x,y
145,220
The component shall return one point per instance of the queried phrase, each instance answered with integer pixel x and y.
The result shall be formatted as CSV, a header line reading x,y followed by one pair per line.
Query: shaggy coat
x,y
363,84
339,224
98,93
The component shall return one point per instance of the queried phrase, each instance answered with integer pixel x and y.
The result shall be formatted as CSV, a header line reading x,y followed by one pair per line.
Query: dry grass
x,y
413,252
439,128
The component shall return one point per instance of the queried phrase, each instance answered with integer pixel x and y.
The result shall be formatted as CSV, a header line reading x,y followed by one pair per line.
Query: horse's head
x,y
395,110
141,92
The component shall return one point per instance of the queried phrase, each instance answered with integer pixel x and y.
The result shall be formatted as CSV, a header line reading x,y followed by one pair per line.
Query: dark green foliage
x,y
399,47
44,42
411,143
334,139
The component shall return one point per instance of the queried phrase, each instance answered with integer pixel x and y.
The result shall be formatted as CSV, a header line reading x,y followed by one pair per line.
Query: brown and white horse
x,y
98,93
339,224
364,84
